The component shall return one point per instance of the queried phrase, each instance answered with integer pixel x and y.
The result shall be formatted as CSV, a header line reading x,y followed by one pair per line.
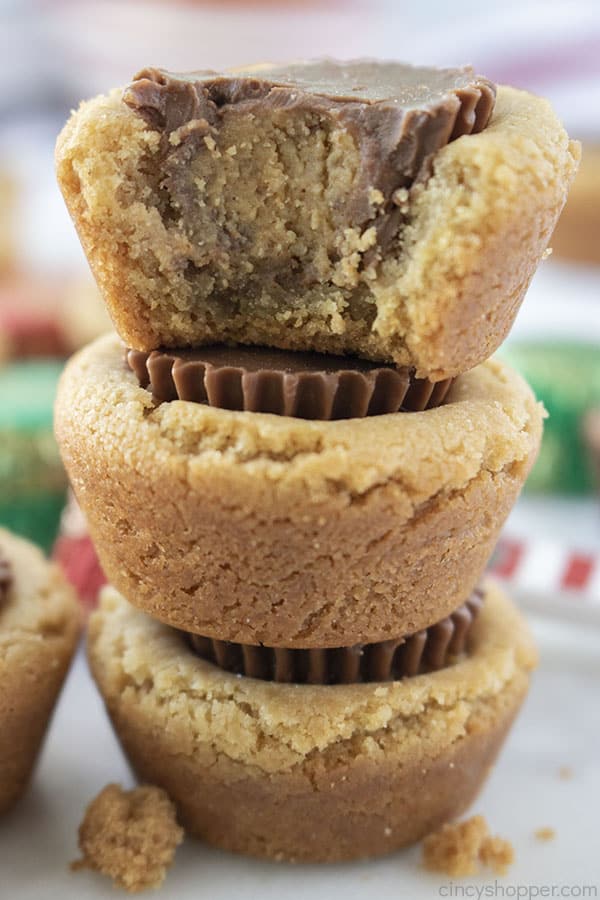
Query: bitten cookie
x,y
309,773
39,627
260,528
357,208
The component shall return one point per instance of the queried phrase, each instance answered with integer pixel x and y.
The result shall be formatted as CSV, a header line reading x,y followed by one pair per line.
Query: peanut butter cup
x,y
398,115
304,385
425,651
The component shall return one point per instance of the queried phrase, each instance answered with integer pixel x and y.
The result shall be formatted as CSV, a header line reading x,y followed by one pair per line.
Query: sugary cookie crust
x,y
247,761
265,529
39,627
443,298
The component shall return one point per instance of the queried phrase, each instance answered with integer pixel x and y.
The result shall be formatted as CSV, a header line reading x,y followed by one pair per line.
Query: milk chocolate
x,y
399,116
424,651
304,385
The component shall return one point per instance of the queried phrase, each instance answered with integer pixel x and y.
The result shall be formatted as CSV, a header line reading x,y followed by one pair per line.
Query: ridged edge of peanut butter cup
x,y
477,102
301,385
427,650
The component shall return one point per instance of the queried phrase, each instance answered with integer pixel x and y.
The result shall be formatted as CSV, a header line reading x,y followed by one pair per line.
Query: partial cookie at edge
x,y
39,627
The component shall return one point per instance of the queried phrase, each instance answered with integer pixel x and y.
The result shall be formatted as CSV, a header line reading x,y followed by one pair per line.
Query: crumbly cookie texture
x,y
441,297
131,836
458,849
309,772
258,528
39,628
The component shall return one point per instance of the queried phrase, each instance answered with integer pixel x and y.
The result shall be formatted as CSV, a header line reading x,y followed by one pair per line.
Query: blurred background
x,y
56,52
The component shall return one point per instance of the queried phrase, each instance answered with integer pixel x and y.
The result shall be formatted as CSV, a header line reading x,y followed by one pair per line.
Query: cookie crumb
x,y
497,854
545,834
131,836
458,848
565,772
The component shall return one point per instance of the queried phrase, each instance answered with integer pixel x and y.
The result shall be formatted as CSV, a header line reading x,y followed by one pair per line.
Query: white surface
x,y
562,303
560,726
571,521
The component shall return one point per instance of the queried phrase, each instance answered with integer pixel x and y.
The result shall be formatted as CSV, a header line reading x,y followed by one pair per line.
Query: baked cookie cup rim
x,y
96,385
40,604
139,658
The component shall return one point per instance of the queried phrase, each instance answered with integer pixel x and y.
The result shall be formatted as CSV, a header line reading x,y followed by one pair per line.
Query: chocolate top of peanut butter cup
x,y
362,82
304,385
425,651
6,577
399,115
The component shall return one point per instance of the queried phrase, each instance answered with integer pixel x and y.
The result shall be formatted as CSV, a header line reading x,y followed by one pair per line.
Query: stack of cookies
x,y
295,459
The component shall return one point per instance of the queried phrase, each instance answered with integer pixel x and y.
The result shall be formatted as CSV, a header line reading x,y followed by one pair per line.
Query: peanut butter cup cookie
x,y
39,626
260,528
380,210
309,772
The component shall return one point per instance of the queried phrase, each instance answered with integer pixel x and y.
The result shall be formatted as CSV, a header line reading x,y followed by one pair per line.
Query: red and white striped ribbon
x,y
549,577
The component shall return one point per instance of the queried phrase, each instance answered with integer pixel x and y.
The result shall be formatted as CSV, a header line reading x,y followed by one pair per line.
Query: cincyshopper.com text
x,y
517,891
